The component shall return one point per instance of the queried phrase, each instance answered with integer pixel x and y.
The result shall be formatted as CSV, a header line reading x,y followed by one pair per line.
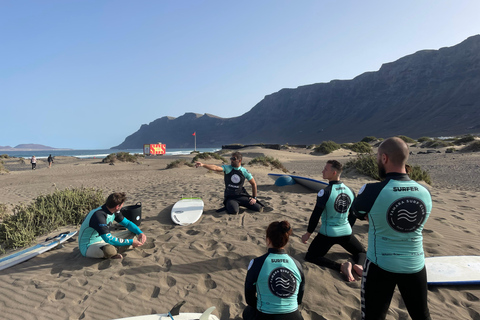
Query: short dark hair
x,y
279,232
237,155
115,199
336,165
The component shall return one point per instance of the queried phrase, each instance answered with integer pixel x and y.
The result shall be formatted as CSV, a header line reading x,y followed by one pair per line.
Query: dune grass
x,y
366,164
327,147
47,213
2,168
122,157
267,162
208,155
178,163
472,147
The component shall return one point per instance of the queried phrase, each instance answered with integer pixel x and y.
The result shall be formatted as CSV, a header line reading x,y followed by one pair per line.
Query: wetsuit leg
x,y
244,201
413,288
319,248
250,313
377,290
232,206
356,249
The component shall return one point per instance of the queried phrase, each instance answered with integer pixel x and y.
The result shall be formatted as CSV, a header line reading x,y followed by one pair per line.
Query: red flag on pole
x,y
193,134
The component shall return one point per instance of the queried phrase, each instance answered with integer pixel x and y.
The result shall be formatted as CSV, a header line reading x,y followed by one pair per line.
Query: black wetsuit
x,y
235,193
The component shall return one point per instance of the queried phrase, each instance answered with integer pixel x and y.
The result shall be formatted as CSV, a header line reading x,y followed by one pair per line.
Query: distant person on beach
x,y
275,282
33,161
235,176
333,207
396,209
95,239
50,161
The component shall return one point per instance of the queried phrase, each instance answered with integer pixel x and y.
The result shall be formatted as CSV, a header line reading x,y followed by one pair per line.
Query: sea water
x,y
94,153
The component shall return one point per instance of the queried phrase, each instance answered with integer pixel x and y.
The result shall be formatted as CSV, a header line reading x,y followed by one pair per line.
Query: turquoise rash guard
x,y
397,210
275,283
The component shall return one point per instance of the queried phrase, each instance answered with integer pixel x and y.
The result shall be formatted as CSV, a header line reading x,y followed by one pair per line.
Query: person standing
x,y
33,161
235,194
275,282
333,207
396,209
50,161
94,237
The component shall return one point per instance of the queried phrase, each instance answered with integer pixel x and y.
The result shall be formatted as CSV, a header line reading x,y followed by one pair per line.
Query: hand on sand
x,y
346,269
198,164
305,237
141,238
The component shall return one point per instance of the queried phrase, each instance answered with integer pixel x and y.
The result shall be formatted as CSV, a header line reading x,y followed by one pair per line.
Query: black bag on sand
x,y
133,213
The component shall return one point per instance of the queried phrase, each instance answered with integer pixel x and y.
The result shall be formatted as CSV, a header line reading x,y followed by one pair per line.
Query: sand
x,y
206,263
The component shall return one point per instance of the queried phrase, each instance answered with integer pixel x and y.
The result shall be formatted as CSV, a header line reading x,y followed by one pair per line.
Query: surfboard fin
x,y
176,308
206,314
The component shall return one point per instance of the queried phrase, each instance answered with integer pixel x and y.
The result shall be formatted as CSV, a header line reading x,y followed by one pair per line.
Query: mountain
x,y
428,93
28,147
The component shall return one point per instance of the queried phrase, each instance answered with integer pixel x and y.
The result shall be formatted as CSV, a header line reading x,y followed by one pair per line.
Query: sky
x,y
85,74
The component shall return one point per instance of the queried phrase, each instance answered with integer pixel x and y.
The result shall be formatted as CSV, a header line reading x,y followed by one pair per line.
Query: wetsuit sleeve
x,y
301,289
130,226
367,195
114,241
251,280
322,199
351,217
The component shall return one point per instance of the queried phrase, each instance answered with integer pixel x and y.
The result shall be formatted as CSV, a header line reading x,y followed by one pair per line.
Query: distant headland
x,y
30,147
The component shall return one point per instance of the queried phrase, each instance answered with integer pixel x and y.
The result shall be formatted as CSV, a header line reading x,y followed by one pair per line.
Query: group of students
x,y
396,209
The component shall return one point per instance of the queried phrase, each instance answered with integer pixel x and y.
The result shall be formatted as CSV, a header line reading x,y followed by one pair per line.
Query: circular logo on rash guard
x,y
282,282
342,203
406,214
235,178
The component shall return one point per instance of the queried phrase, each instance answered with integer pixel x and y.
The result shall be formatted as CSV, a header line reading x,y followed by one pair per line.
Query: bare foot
x,y
358,270
117,256
346,269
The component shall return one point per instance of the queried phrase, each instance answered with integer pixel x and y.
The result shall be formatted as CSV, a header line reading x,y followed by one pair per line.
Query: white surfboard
x,y
311,184
33,251
182,316
187,211
453,270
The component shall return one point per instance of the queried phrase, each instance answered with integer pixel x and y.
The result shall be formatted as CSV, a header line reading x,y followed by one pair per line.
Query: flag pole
x,y
195,135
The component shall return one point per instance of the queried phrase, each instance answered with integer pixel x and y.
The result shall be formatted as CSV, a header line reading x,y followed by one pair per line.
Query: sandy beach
x,y
206,263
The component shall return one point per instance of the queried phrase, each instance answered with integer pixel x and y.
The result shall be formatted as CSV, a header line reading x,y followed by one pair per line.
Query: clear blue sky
x,y
85,74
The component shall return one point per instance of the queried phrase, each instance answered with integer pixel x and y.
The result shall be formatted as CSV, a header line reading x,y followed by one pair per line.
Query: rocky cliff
x,y
428,93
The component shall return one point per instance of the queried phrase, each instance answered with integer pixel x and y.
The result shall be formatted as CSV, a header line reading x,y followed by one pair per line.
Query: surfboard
x,y
33,251
187,211
181,316
453,270
309,183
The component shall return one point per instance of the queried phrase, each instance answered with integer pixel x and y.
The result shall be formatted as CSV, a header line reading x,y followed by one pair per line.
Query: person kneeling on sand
x,y
95,239
333,206
235,193
275,282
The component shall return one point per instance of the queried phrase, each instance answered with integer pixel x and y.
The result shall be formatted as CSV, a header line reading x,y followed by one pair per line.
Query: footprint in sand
x,y
209,282
58,295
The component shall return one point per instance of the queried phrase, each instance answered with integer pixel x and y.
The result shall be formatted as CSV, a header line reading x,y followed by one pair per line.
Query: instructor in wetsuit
x,y
333,207
235,176
94,237
275,282
396,209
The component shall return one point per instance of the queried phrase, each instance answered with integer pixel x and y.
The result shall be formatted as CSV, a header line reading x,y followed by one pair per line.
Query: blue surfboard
x,y
309,183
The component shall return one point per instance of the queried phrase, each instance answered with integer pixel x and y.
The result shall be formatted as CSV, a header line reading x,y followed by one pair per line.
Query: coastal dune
x,y
205,263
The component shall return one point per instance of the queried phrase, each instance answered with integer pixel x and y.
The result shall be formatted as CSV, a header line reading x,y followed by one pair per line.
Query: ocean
x,y
94,153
